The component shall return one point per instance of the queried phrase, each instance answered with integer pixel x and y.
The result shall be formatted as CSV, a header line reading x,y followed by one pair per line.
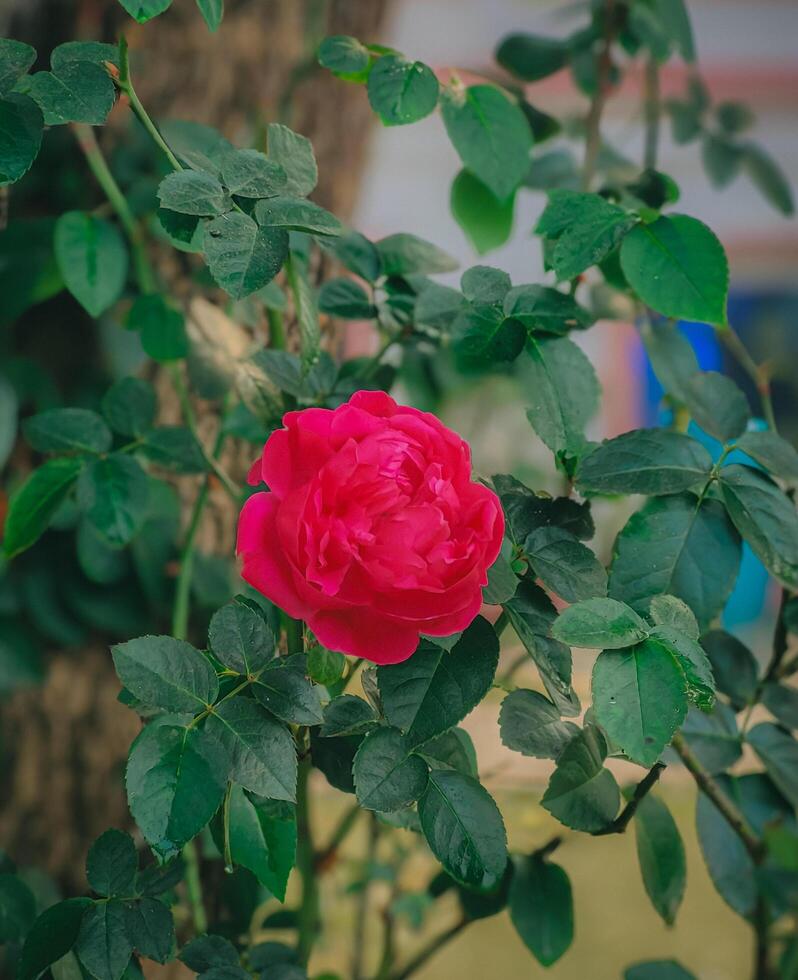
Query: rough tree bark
x,y
62,748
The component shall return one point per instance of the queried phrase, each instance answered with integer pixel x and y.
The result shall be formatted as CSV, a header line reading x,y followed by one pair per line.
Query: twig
x,y
548,848
622,821
194,888
593,120
358,945
338,836
308,926
758,373
651,113
431,948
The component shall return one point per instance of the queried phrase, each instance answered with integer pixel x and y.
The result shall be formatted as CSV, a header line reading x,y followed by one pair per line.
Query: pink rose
x,y
373,530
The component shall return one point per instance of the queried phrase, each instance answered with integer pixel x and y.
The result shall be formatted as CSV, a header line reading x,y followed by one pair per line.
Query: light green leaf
x,y
240,638
404,255
325,667
693,661
166,673
193,192
21,127
484,284
295,154
198,146
144,10
212,12
261,749
651,461
297,214
162,328
483,336
241,255
717,405
344,56
103,946
530,724
772,452
305,308
542,908
386,776
16,58
599,623
64,430
464,829
112,864
660,852
678,267
34,503
586,228
490,133
75,91
401,91
114,494
92,257
486,221
129,406
667,610
582,794
262,838
250,173
565,565
502,581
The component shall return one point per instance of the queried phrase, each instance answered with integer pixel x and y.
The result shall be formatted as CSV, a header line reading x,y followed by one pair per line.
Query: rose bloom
x,y
372,530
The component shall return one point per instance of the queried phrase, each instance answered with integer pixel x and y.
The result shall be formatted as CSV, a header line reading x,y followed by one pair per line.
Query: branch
x,y
710,788
758,373
346,823
651,113
358,946
622,821
593,120
308,927
432,947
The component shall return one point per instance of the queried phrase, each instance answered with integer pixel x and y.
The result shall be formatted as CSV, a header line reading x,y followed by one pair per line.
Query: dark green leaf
x,y
502,582
660,852
347,715
713,737
490,133
435,689
678,267
240,638
782,702
768,178
717,405
103,946
167,673
565,565
651,461
586,228
288,694
486,221
63,430
531,724
294,153
243,256
17,903
483,336
21,127
250,173
52,936
297,214
452,750
207,951
150,928
193,192
334,757
484,284
112,864
531,57
263,839
347,299
693,661
672,356
658,970
733,665
765,517
527,510
401,91
546,310
129,406
163,331
174,448
667,610
601,624
176,778
582,794
358,254
344,55
778,751
464,829
542,908
386,776
16,58
200,147
772,452
92,258
34,503
404,255
305,308
75,91
721,158
114,494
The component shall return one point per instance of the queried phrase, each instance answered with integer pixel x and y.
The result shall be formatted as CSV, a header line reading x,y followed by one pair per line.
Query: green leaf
x,y
114,494
542,908
16,58
564,391
697,555
63,430
547,310
768,178
284,689
347,715
527,510
92,257
721,158
129,406
207,951
660,852
34,503
671,354
250,173
667,610
212,12
586,228
531,57
651,461
600,624
490,133
193,192
163,330
486,221
344,55
452,750
358,254
112,864
21,127
74,92
401,91
261,749
530,724
772,452
658,970
713,737
325,667
640,698
778,751
765,517
166,673
531,614
483,336
17,903
198,146
678,267
782,702
435,689
484,284
262,838
52,936
464,829
717,405
242,255
294,153
240,638
733,665
176,777
306,310
386,776
404,255
174,448
582,794
347,299
693,661
150,928
565,565
502,581
144,10
297,214
103,946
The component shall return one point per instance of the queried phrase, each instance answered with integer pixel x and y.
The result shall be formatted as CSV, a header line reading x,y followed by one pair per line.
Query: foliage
x,y
235,724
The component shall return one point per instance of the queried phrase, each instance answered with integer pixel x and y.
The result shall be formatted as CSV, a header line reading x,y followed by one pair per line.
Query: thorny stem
x,y
431,948
593,120
622,821
358,945
308,925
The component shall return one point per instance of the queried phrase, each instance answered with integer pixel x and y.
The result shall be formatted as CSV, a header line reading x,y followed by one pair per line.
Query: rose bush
x,y
372,531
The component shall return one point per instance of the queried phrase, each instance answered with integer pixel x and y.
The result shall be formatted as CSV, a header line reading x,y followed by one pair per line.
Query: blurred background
x,y
62,746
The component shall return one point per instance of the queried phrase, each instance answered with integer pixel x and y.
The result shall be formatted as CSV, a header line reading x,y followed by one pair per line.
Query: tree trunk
x,y
63,746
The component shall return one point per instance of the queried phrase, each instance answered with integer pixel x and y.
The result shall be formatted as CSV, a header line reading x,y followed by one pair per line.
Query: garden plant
x,y
378,571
